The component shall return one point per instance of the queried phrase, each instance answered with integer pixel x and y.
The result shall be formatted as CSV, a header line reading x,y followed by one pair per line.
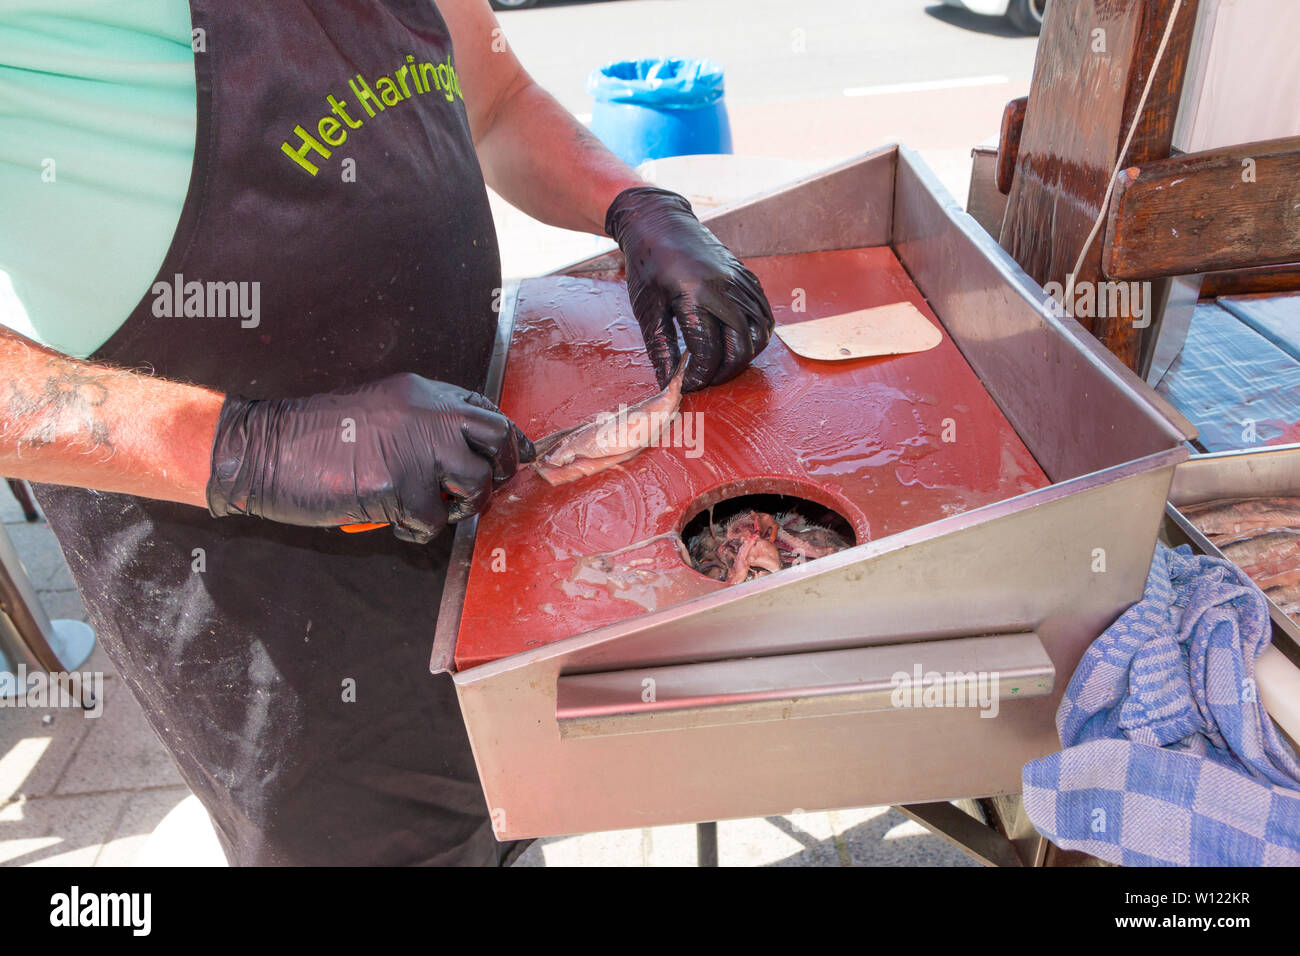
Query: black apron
x,y
243,639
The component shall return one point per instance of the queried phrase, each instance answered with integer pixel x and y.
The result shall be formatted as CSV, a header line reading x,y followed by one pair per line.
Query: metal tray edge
x,y
443,657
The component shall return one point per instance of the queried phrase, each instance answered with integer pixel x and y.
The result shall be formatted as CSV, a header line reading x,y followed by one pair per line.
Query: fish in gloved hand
x,y
613,438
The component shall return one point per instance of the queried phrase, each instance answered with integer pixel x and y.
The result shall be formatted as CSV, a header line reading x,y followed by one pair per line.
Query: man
x,y
334,242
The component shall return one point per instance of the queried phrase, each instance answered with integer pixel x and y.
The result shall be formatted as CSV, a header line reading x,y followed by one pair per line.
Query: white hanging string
x,y
1123,155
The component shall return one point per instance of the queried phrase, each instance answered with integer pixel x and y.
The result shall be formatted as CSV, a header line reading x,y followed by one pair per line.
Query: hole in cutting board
x,y
803,516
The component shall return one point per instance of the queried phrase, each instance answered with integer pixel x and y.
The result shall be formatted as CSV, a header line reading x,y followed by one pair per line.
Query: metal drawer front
x,y
971,672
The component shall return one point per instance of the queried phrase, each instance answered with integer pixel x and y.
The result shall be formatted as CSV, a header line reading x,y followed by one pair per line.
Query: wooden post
x,y
1094,57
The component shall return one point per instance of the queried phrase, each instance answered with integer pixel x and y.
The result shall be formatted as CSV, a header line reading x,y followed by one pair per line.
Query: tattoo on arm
x,y
63,409
586,140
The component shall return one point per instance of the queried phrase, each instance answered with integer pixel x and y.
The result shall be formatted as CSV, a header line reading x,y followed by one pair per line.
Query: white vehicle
x,y
1027,15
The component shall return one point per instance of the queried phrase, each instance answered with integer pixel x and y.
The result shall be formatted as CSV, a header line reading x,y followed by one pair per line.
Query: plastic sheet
x,y
1239,388
1276,317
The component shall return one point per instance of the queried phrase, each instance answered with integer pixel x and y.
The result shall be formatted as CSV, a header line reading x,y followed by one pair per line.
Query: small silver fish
x,y
612,438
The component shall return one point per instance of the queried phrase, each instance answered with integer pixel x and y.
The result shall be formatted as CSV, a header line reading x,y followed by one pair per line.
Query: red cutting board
x,y
864,436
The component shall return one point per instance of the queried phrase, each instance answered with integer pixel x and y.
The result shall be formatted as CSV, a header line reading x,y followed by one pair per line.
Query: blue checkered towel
x,y
1169,757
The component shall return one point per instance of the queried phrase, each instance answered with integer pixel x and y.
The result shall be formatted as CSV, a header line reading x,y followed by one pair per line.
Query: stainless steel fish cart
x,y
775,695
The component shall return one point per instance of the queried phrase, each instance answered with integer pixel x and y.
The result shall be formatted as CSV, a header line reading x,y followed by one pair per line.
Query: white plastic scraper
x,y
892,329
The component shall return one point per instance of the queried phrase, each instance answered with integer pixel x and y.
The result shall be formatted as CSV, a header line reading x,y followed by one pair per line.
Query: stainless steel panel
x,y
847,206
1171,320
538,783
970,671
1077,409
1252,472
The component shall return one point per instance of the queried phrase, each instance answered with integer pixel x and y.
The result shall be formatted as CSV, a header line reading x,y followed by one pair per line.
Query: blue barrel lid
x,y
660,82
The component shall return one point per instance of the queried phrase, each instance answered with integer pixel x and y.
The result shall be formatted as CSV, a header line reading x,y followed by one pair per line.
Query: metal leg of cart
x,y
706,844
24,496
28,638
994,831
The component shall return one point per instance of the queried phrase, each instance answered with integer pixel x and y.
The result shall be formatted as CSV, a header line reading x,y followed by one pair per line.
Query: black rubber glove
x,y
678,270
409,451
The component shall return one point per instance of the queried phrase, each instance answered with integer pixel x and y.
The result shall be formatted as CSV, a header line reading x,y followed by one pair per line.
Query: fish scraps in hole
x,y
751,544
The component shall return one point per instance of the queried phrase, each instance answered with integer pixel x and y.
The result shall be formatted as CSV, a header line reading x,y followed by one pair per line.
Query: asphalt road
x,y
772,50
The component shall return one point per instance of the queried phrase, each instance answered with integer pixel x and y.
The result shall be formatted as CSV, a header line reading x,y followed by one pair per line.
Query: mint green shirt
x,y
97,126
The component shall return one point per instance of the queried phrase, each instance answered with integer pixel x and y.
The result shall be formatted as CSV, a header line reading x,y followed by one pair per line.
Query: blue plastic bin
x,y
649,109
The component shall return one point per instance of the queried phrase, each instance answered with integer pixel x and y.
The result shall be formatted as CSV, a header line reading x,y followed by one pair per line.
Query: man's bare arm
x,y
532,150
78,423
681,280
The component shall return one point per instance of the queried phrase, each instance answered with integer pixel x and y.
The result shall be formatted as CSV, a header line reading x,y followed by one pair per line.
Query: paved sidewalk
x,y
871,836
76,790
